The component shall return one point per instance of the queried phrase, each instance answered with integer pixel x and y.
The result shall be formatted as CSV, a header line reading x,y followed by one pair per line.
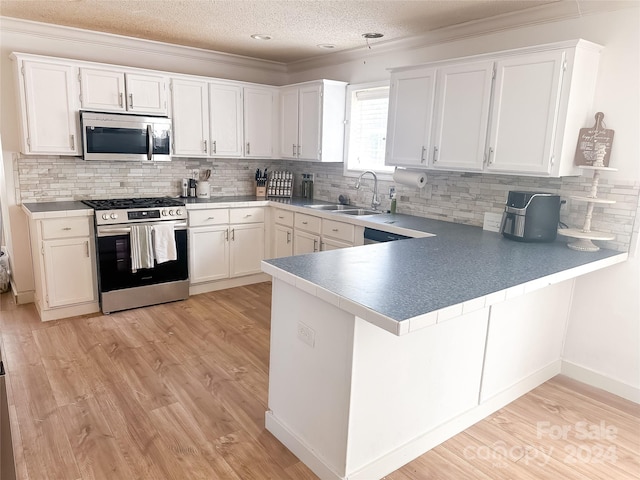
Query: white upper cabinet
x,y
461,117
113,90
225,119
525,111
289,122
49,106
190,114
259,115
514,112
411,99
312,121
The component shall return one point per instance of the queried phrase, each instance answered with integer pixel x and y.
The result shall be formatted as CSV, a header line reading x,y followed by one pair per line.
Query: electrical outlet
x,y
195,173
392,190
306,334
492,221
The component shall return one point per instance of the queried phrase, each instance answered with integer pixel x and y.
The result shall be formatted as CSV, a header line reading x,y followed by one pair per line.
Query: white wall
x,y
603,341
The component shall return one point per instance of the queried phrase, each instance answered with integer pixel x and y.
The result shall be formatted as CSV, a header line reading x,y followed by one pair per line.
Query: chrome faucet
x,y
375,201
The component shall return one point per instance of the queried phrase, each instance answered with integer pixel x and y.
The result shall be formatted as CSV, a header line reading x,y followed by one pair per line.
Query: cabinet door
x,y
50,98
525,112
225,115
247,248
410,117
309,131
283,241
146,94
331,244
208,253
69,274
190,115
289,122
463,94
102,89
258,121
304,242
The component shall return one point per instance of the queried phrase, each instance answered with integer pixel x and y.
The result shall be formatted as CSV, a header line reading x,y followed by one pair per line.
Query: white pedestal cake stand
x,y
584,235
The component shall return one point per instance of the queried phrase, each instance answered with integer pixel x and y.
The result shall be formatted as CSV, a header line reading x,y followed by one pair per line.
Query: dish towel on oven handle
x,y
164,243
141,247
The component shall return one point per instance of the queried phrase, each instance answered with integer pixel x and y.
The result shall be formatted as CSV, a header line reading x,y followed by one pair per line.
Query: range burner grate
x,y
118,203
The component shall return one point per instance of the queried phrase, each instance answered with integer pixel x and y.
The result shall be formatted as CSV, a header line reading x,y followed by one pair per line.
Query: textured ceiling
x,y
296,26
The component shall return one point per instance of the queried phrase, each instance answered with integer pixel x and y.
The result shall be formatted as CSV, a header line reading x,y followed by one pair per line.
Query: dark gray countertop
x,y
405,279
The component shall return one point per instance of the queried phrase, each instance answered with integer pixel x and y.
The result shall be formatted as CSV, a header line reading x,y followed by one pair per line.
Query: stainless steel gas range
x,y
120,225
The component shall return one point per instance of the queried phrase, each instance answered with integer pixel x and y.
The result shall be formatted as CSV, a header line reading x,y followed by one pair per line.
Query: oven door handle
x,y
108,231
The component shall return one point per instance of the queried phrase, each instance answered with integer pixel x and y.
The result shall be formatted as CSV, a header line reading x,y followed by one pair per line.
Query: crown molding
x,y
133,45
561,10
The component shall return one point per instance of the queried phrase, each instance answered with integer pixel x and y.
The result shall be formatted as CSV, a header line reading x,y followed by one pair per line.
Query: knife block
x,y
261,191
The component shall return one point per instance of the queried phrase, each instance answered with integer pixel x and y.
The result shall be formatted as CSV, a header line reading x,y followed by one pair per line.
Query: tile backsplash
x,y
450,196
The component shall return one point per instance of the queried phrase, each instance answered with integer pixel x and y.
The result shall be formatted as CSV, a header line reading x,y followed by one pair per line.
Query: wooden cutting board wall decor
x,y
591,140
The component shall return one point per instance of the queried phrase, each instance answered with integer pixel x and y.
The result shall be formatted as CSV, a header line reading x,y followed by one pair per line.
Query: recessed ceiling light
x,y
328,46
261,36
372,35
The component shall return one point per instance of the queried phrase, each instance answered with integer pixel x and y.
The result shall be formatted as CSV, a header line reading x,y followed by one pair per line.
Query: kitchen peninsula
x,y
381,352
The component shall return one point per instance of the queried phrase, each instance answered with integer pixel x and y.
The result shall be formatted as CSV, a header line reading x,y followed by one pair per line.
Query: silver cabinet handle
x,y
211,218
422,154
86,244
131,100
490,155
233,234
334,229
305,223
205,146
280,216
288,237
215,147
435,154
247,215
66,229
248,148
149,142
73,141
226,235
120,99
315,245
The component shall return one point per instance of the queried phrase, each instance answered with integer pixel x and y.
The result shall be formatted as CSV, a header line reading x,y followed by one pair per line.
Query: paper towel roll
x,y
413,178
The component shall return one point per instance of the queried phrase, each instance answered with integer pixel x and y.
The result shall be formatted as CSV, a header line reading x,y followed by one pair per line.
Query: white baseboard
x,y
404,454
22,298
299,448
598,380
228,283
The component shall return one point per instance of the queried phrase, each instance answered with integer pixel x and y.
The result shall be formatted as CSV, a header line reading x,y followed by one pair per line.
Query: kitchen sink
x,y
359,211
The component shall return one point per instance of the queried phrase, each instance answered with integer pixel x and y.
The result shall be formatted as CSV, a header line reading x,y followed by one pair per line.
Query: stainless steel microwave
x,y
115,136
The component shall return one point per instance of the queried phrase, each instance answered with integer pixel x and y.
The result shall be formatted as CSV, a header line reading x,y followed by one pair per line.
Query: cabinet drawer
x,y
246,215
308,223
65,227
283,217
199,218
339,230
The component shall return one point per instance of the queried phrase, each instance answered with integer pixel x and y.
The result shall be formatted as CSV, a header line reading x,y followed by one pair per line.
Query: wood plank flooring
x,y
179,391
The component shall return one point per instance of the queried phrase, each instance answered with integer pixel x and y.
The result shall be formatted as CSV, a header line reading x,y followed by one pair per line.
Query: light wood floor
x,y
180,391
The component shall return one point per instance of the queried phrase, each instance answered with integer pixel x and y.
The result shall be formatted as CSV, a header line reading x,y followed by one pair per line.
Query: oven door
x,y
125,137
114,260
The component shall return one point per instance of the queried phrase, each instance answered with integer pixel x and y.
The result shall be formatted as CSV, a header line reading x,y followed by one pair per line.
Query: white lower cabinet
x,y
209,253
282,233
246,249
332,244
305,242
225,243
64,264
